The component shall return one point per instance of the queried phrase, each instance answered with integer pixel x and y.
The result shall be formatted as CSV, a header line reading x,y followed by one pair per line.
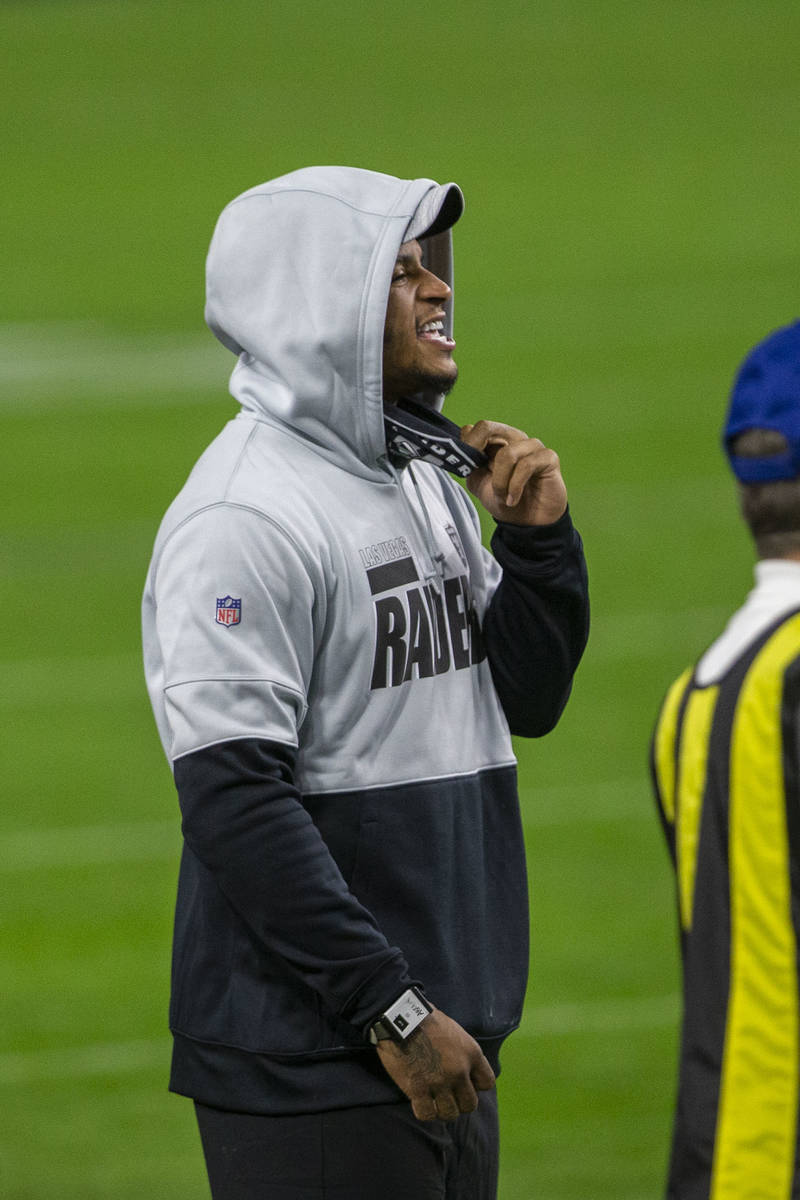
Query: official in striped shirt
x,y
725,761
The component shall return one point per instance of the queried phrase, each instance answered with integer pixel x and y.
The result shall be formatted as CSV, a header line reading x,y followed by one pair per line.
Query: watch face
x,y
407,1012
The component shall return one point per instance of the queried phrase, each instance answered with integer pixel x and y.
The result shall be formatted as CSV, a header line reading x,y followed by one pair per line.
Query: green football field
x,y
632,176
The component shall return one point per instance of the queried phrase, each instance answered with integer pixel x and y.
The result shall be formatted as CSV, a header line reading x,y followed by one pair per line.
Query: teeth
x,y
432,327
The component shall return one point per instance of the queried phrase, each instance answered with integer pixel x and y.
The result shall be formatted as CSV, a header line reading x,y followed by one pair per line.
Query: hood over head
x,y
297,283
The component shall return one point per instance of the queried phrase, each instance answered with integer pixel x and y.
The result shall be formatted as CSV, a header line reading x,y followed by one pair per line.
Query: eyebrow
x,y
408,256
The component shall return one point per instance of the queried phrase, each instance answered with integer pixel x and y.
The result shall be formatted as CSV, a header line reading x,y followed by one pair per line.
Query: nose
x,y
434,288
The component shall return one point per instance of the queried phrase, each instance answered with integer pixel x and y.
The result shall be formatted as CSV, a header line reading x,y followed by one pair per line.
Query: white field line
x,y
52,366
46,681
613,1016
586,803
601,1016
633,635
74,1062
638,635
646,634
144,841
90,845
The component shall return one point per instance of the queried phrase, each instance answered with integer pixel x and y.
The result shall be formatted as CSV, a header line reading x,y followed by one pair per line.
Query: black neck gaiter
x,y
415,431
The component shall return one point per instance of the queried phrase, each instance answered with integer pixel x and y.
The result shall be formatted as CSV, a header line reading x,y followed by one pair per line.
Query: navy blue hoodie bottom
x,y
374,1152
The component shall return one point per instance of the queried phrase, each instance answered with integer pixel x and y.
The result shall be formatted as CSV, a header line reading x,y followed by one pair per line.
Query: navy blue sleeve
x,y
244,820
537,623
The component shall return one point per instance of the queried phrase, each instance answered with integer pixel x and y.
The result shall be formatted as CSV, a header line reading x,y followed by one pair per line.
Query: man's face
x,y
417,354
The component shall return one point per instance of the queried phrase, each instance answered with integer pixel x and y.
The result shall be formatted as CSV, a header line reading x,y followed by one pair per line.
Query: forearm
x,y
244,820
537,623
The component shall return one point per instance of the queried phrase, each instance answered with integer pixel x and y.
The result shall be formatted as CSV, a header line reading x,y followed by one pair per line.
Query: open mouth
x,y
433,331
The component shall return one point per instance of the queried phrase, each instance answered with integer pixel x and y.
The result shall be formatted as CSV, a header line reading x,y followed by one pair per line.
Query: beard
x,y
425,385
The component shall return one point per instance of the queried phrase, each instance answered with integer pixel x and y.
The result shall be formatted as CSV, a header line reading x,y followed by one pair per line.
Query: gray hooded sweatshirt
x,y
335,664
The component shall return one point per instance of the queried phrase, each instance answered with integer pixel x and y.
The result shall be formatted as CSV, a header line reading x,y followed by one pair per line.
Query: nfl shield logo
x,y
229,611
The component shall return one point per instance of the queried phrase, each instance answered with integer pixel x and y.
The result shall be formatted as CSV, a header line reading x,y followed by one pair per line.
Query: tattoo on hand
x,y
420,1054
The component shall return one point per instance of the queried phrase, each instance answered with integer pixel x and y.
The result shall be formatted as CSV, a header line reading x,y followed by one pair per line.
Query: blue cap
x,y
766,395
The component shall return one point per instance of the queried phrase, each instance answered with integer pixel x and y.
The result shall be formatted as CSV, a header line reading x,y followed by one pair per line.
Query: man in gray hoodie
x,y
336,665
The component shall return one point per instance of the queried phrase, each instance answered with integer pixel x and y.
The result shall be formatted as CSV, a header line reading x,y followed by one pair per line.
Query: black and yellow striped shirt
x,y
725,768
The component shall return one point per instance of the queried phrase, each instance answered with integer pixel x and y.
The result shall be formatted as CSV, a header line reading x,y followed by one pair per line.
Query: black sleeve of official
x,y
537,623
244,820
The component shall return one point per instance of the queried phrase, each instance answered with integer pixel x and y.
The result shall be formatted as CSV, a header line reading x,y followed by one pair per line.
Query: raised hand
x,y
523,484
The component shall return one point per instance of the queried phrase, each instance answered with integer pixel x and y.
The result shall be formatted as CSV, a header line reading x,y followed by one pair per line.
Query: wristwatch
x,y
400,1020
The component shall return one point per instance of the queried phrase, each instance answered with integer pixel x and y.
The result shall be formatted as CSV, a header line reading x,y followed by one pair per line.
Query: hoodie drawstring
x,y
434,569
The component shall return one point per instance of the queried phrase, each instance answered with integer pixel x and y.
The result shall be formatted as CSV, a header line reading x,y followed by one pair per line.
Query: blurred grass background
x,y
631,172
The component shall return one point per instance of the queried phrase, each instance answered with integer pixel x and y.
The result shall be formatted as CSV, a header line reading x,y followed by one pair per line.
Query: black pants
x,y
378,1152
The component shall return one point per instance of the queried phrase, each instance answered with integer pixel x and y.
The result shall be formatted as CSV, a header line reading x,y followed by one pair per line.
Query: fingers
x,y
445,1105
424,1108
483,1075
466,1098
488,433
516,459
514,466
